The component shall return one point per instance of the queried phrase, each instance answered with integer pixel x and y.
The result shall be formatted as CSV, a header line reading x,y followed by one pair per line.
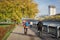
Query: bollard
x,y
57,32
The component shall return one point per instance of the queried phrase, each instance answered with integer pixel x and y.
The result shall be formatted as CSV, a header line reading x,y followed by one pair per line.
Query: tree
x,y
16,9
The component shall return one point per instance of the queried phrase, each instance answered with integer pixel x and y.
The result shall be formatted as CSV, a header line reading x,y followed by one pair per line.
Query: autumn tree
x,y
16,9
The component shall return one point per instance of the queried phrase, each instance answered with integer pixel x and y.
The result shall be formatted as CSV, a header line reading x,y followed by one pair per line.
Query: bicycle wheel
x,y
25,31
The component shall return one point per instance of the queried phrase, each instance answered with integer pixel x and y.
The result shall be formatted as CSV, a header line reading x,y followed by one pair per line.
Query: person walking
x,y
23,23
39,26
31,24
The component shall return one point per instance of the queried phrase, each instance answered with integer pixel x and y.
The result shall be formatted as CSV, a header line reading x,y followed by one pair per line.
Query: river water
x,y
51,23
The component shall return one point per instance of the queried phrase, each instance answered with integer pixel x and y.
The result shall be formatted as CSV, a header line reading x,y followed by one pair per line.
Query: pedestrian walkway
x,y
18,34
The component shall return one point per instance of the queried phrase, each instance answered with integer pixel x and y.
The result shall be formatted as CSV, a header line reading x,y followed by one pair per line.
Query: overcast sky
x,y
43,6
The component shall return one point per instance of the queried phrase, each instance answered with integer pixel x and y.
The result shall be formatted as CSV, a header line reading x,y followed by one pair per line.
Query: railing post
x,y
43,28
47,29
57,32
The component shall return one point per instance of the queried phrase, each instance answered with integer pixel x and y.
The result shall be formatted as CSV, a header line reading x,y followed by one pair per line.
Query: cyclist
x,y
26,27
39,26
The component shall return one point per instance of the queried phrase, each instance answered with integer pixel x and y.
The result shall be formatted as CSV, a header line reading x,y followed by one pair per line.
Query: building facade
x,y
52,10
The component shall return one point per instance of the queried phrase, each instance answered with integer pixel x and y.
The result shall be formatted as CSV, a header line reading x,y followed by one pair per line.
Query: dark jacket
x,y
39,25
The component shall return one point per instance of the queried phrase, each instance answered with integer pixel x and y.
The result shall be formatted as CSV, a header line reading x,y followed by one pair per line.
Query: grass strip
x,y
7,34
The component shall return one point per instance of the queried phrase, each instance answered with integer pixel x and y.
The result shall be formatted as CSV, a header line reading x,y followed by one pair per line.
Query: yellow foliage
x,y
16,9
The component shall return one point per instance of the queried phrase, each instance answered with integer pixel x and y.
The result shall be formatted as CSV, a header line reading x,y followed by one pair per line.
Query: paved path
x,y
18,34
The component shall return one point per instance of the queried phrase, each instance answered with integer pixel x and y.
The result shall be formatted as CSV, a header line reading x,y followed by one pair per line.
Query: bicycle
x,y
25,30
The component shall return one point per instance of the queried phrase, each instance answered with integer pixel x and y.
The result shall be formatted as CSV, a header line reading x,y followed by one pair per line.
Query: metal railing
x,y
55,30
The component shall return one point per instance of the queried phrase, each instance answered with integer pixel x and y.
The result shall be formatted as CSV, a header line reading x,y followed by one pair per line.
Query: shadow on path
x,y
24,34
30,35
